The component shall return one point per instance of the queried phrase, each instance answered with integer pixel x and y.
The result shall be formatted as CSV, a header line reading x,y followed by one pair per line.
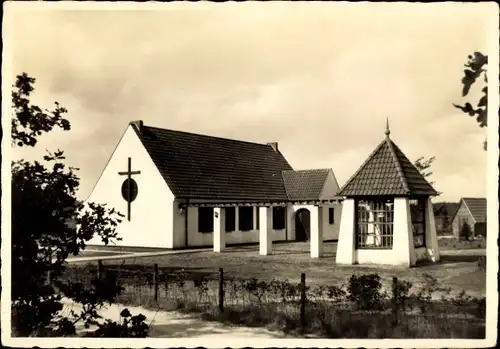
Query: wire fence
x,y
319,306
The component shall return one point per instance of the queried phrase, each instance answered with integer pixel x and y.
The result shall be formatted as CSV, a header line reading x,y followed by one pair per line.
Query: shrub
x,y
285,290
257,288
364,292
403,292
131,326
201,284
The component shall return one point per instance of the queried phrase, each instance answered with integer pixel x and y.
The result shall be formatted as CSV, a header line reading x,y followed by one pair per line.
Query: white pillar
x,y
403,252
316,232
290,222
346,245
431,242
219,231
265,226
236,218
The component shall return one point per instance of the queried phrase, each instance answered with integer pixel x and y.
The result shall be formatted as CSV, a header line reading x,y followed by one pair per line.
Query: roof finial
x,y
387,131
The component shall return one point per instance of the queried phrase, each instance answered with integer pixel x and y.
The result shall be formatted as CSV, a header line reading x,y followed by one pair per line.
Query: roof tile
x,y
478,208
387,171
305,185
206,167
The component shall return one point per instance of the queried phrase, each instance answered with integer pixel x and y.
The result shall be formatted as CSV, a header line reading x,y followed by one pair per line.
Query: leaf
x,y
467,108
483,102
468,79
482,117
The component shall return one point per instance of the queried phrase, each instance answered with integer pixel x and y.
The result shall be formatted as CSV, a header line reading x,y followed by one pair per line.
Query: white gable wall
x,y
331,231
330,187
152,211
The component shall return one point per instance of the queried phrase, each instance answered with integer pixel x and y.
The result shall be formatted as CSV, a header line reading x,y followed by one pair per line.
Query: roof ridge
x,y
374,152
399,168
310,169
205,135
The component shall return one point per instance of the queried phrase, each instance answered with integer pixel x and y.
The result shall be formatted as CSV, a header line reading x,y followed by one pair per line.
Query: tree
x,y
476,66
423,165
466,231
43,204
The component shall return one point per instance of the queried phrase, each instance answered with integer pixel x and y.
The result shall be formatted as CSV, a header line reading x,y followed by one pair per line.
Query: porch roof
x,y
256,203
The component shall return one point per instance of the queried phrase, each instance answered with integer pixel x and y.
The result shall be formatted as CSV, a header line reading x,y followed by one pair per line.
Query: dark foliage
x,y
476,66
365,292
48,225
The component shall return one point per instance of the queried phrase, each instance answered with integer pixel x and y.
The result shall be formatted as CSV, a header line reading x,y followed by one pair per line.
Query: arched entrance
x,y
302,225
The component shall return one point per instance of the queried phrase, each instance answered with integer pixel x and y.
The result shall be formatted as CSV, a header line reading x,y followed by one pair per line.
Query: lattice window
x,y
417,209
374,224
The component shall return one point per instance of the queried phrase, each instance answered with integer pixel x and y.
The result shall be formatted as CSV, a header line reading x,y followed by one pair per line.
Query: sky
x,y
318,78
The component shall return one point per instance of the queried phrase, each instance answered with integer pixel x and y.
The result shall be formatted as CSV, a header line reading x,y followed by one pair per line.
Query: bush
x,y
364,292
131,326
403,292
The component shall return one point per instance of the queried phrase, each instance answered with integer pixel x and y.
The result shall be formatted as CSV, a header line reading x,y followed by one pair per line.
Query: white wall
x,y
179,224
329,231
402,252
151,212
330,187
196,238
346,245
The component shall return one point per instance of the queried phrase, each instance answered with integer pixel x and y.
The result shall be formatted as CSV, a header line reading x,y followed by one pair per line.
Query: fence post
x,y
155,282
395,301
99,269
221,289
303,300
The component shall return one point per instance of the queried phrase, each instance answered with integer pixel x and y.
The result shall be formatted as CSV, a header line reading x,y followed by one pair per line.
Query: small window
x,y
331,215
245,218
279,215
230,213
205,219
417,209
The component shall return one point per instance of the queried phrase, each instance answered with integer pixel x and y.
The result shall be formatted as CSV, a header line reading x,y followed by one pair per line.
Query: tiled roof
x,y
305,184
387,171
206,167
477,208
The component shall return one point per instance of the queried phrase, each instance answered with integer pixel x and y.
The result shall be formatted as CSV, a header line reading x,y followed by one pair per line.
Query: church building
x,y
180,190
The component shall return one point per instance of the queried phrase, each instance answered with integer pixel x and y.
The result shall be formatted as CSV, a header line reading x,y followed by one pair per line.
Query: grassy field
x,y
456,244
289,260
264,291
